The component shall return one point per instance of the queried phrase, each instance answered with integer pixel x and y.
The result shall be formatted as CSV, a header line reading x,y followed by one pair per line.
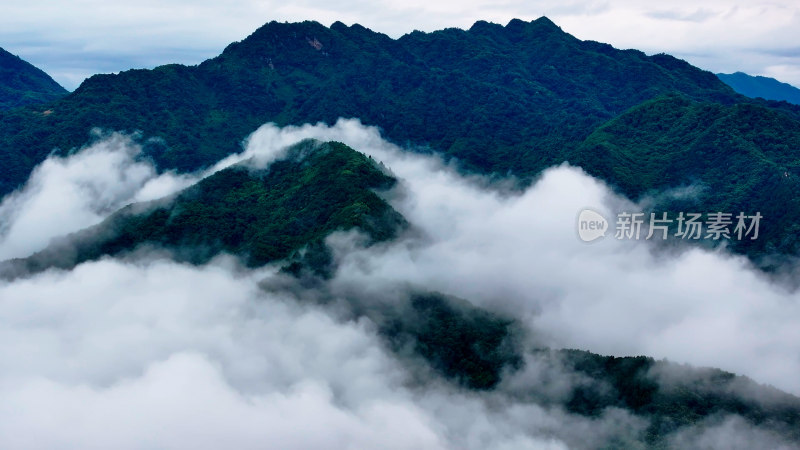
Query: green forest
x,y
500,101
258,215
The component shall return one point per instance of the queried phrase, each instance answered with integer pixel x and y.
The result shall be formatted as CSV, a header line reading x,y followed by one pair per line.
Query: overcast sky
x,y
72,40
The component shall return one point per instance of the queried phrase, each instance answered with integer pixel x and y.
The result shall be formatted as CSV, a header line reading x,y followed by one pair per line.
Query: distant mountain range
x,y
23,84
504,100
763,87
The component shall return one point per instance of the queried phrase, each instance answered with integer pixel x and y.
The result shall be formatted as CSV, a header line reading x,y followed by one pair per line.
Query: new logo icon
x,y
591,225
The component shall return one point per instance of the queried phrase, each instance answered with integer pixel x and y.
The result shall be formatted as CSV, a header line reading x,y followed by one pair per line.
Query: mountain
x,y
671,396
483,350
758,86
283,212
260,215
23,84
727,158
501,99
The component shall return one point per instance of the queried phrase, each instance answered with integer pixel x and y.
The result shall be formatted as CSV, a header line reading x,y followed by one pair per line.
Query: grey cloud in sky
x,y
789,52
699,15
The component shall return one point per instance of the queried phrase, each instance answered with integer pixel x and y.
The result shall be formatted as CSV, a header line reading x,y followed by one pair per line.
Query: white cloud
x,y
123,354
156,354
519,253
788,73
720,36
515,252
729,433
162,355
67,194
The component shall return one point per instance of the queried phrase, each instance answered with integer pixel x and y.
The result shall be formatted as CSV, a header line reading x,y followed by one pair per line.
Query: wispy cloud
x,y
698,15
519,254
66,194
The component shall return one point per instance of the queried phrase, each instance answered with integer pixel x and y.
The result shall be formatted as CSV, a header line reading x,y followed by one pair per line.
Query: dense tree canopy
x,y
23,84
259,215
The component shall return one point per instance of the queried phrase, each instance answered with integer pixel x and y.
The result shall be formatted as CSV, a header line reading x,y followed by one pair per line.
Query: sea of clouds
x,y
150,353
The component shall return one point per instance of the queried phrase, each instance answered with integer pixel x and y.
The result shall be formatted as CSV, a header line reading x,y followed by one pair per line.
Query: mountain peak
x,y
275,26
542,26
22,83
760,86
280,34
544,21
260,214
484,27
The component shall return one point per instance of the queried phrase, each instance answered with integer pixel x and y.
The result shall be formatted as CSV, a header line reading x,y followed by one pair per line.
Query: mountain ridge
x,y
760,86
22,83
277,75
507,100
259,215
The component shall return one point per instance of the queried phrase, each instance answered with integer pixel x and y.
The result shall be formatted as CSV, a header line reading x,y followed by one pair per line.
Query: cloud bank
x,y
147,352
125,356
67,194
519,253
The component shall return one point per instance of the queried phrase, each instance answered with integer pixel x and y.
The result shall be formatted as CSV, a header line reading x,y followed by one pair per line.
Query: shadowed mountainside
x,y
758,86
501,99
511,99
24,84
